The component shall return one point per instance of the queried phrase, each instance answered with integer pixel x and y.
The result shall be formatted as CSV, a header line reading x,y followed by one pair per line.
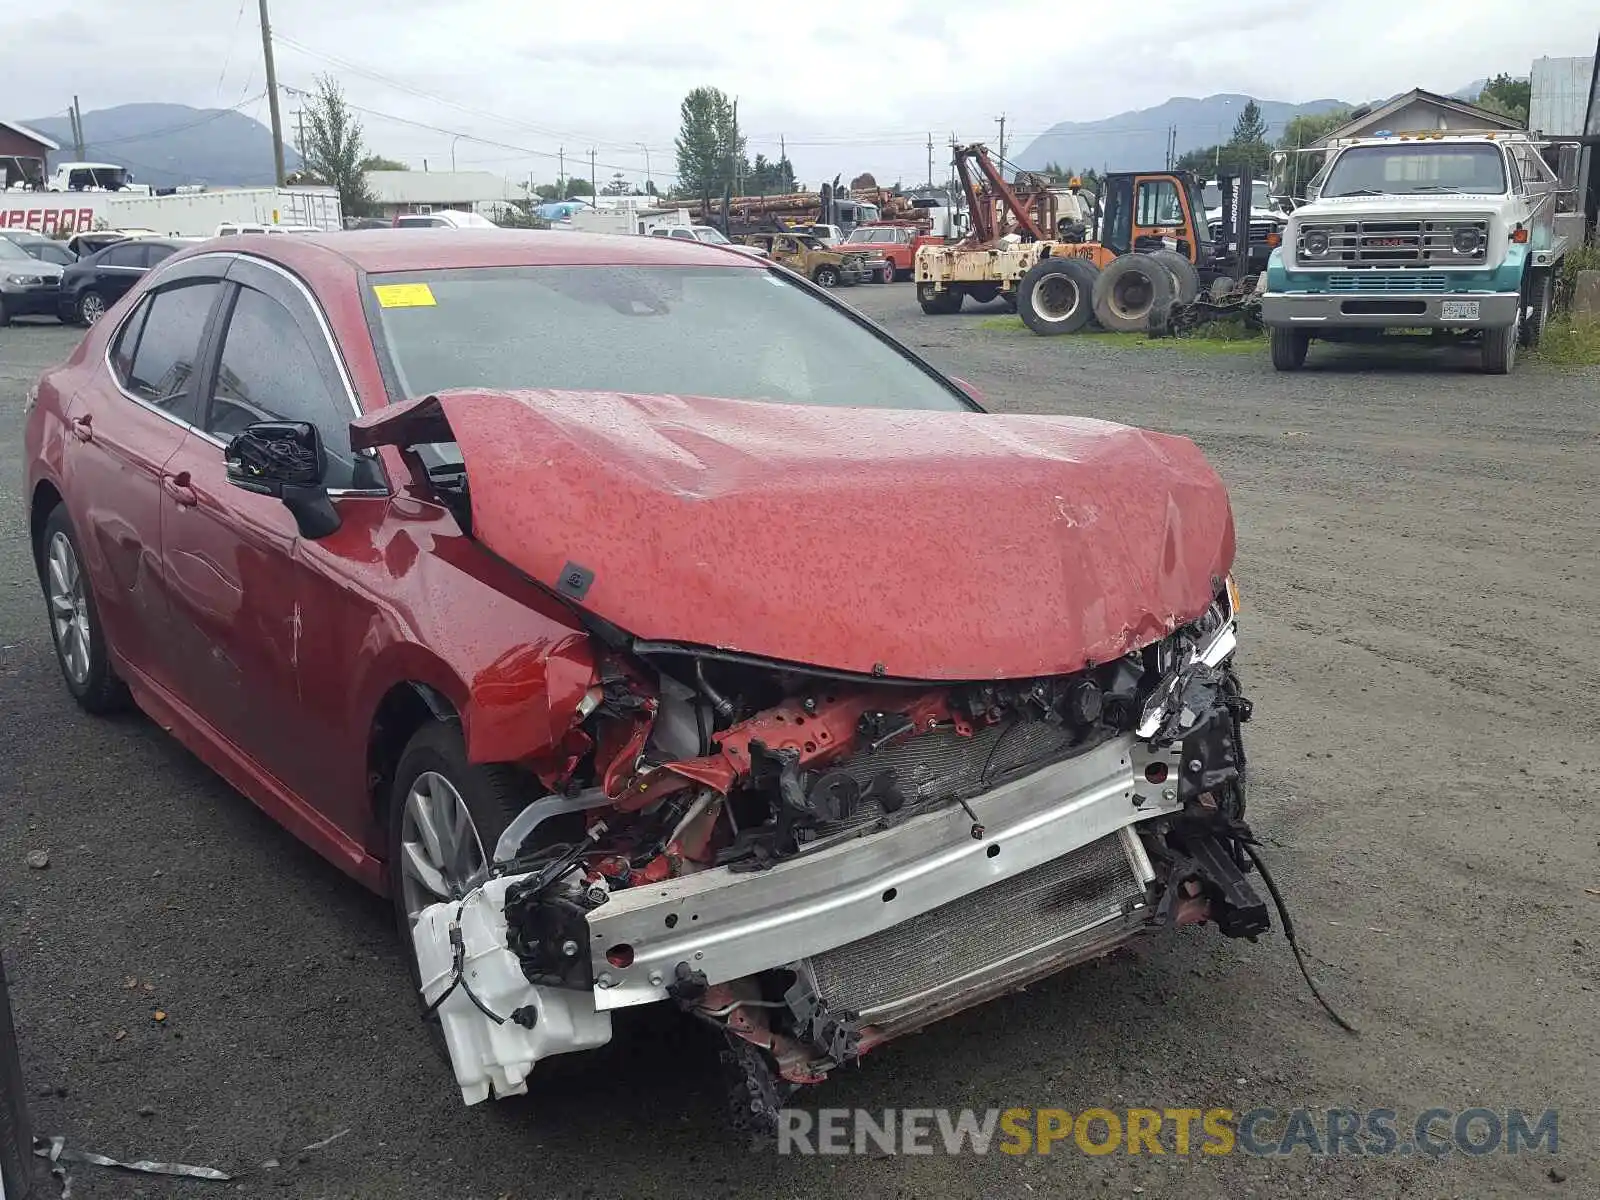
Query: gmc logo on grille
x,y
1392,243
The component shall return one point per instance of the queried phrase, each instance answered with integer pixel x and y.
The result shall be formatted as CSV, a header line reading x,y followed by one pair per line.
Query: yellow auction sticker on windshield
x,y
404,295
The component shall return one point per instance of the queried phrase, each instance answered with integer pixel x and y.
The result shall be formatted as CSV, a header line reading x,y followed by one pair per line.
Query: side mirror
x,y
285,459
1281,184
1567,166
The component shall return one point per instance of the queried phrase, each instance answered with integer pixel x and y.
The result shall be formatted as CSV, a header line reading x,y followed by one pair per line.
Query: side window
x,y
168,339
154,252
269,372
122,350
124,254
658,233
683,233
1516,172
1158,203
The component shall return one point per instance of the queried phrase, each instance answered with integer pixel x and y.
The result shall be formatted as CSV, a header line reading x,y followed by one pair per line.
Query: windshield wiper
x,y
1436,187
1359,192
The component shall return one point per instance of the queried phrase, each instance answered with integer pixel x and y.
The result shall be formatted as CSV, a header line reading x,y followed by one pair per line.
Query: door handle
x,y
177,486
83,428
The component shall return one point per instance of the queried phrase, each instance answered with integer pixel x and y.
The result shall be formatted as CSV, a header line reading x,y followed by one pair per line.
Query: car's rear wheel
x,y
91,307
445,816
75,627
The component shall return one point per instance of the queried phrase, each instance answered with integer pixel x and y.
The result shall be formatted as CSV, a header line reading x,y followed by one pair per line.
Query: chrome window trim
x,y
322,324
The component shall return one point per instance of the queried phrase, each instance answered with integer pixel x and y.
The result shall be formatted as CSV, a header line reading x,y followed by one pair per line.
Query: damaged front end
x,y
817,863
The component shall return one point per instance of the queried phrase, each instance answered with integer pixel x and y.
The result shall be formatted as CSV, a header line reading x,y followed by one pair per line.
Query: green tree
x,y
1507,96
333,149
377,162
1251,125
578,187
709,150
617,186
650,188
1310,128
1203,161
547,192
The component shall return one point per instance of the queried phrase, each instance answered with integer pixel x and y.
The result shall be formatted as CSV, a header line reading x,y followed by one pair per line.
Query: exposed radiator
x,y
1015,929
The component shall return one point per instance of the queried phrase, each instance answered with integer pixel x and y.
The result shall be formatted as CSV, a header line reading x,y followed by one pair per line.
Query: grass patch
x,y
1217,337
1570,341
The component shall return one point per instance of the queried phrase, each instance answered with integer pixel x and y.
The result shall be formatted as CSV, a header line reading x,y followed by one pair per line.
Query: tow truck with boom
x,y
1152,250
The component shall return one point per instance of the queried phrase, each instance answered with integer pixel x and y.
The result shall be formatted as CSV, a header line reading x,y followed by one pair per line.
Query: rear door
x,y
119,268
127,424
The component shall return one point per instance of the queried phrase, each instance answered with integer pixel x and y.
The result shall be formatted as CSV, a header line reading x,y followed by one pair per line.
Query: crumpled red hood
x,y
926,545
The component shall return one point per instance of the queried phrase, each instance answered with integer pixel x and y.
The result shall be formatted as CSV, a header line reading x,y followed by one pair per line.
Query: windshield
x,y
10,250
707,234
857,236
726,332
1410,168
1260,195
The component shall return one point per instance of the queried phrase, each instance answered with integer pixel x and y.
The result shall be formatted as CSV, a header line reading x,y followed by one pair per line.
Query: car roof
x,y
378,251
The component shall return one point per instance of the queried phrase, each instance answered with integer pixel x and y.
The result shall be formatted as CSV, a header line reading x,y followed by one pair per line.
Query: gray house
x,y
1420,110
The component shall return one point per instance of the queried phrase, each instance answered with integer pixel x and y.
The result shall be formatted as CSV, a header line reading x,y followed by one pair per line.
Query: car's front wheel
x,y
445,816
91,307
826,276
75,627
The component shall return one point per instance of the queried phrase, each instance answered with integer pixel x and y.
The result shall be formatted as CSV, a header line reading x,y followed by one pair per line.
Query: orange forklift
x,y
1150,248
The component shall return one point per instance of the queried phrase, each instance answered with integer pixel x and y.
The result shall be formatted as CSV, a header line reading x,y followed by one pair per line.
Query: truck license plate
x,y
1459,310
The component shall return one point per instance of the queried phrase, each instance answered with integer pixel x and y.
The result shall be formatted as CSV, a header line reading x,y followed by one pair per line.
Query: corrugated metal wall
x,y
1560,95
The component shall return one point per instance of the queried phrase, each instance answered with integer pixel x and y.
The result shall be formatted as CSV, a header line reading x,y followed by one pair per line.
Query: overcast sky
x,y
852,85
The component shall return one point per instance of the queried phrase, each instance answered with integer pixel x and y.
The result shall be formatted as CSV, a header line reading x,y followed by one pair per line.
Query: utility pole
x,y
272,95
733,152
561,173
930,160
593,190
646,150
300,132
77,129
1002,164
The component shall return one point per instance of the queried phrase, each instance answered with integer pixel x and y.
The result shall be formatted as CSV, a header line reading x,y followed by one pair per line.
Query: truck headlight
x,y
1467,240
1316,243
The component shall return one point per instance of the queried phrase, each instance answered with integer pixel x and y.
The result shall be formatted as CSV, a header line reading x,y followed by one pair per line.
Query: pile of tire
x,y
1063,295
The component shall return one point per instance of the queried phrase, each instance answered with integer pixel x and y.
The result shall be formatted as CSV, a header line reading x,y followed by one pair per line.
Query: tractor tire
x,y
1184,276
1500,349
940,304
1128,289
1540,286
1289,348
1056,296
1221,289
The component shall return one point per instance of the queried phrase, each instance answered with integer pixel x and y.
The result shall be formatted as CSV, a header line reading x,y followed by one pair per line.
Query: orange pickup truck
x,y
897,240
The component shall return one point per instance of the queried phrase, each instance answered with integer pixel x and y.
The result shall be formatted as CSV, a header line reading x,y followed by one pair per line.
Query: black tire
x,y
1127,289
1056,296
1540,286
1500,349
1184,276
493,796
984,293
826,276
5,315
89,307
90,679
1221,288
1289,348
940,304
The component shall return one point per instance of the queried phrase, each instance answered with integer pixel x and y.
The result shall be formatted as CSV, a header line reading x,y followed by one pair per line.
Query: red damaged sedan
x,y
650,627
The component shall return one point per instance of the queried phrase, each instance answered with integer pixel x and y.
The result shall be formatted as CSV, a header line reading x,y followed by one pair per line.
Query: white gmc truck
x,y
1458,232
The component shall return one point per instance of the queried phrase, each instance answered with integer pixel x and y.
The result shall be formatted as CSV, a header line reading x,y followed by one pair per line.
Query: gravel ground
x,y
1417,553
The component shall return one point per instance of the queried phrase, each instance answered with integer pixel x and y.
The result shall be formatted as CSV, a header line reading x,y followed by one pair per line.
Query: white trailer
x,y
198,214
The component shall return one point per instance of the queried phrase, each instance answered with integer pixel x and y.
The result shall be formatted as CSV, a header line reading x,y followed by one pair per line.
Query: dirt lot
x,y
1418,560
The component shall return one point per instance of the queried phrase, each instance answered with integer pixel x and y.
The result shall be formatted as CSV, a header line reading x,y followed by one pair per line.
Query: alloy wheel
x,y
69,609
442,857
92,307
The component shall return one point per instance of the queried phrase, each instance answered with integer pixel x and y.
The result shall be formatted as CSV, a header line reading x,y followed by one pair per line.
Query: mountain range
x,y
168,144
1136,140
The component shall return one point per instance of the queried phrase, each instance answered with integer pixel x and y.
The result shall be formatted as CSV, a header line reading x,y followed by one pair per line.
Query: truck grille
x,y
1014,930
940,765
1367,282
1384,240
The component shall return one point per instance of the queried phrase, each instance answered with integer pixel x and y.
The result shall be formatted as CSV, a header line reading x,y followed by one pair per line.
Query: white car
x,y
709,234
444,218
231,228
